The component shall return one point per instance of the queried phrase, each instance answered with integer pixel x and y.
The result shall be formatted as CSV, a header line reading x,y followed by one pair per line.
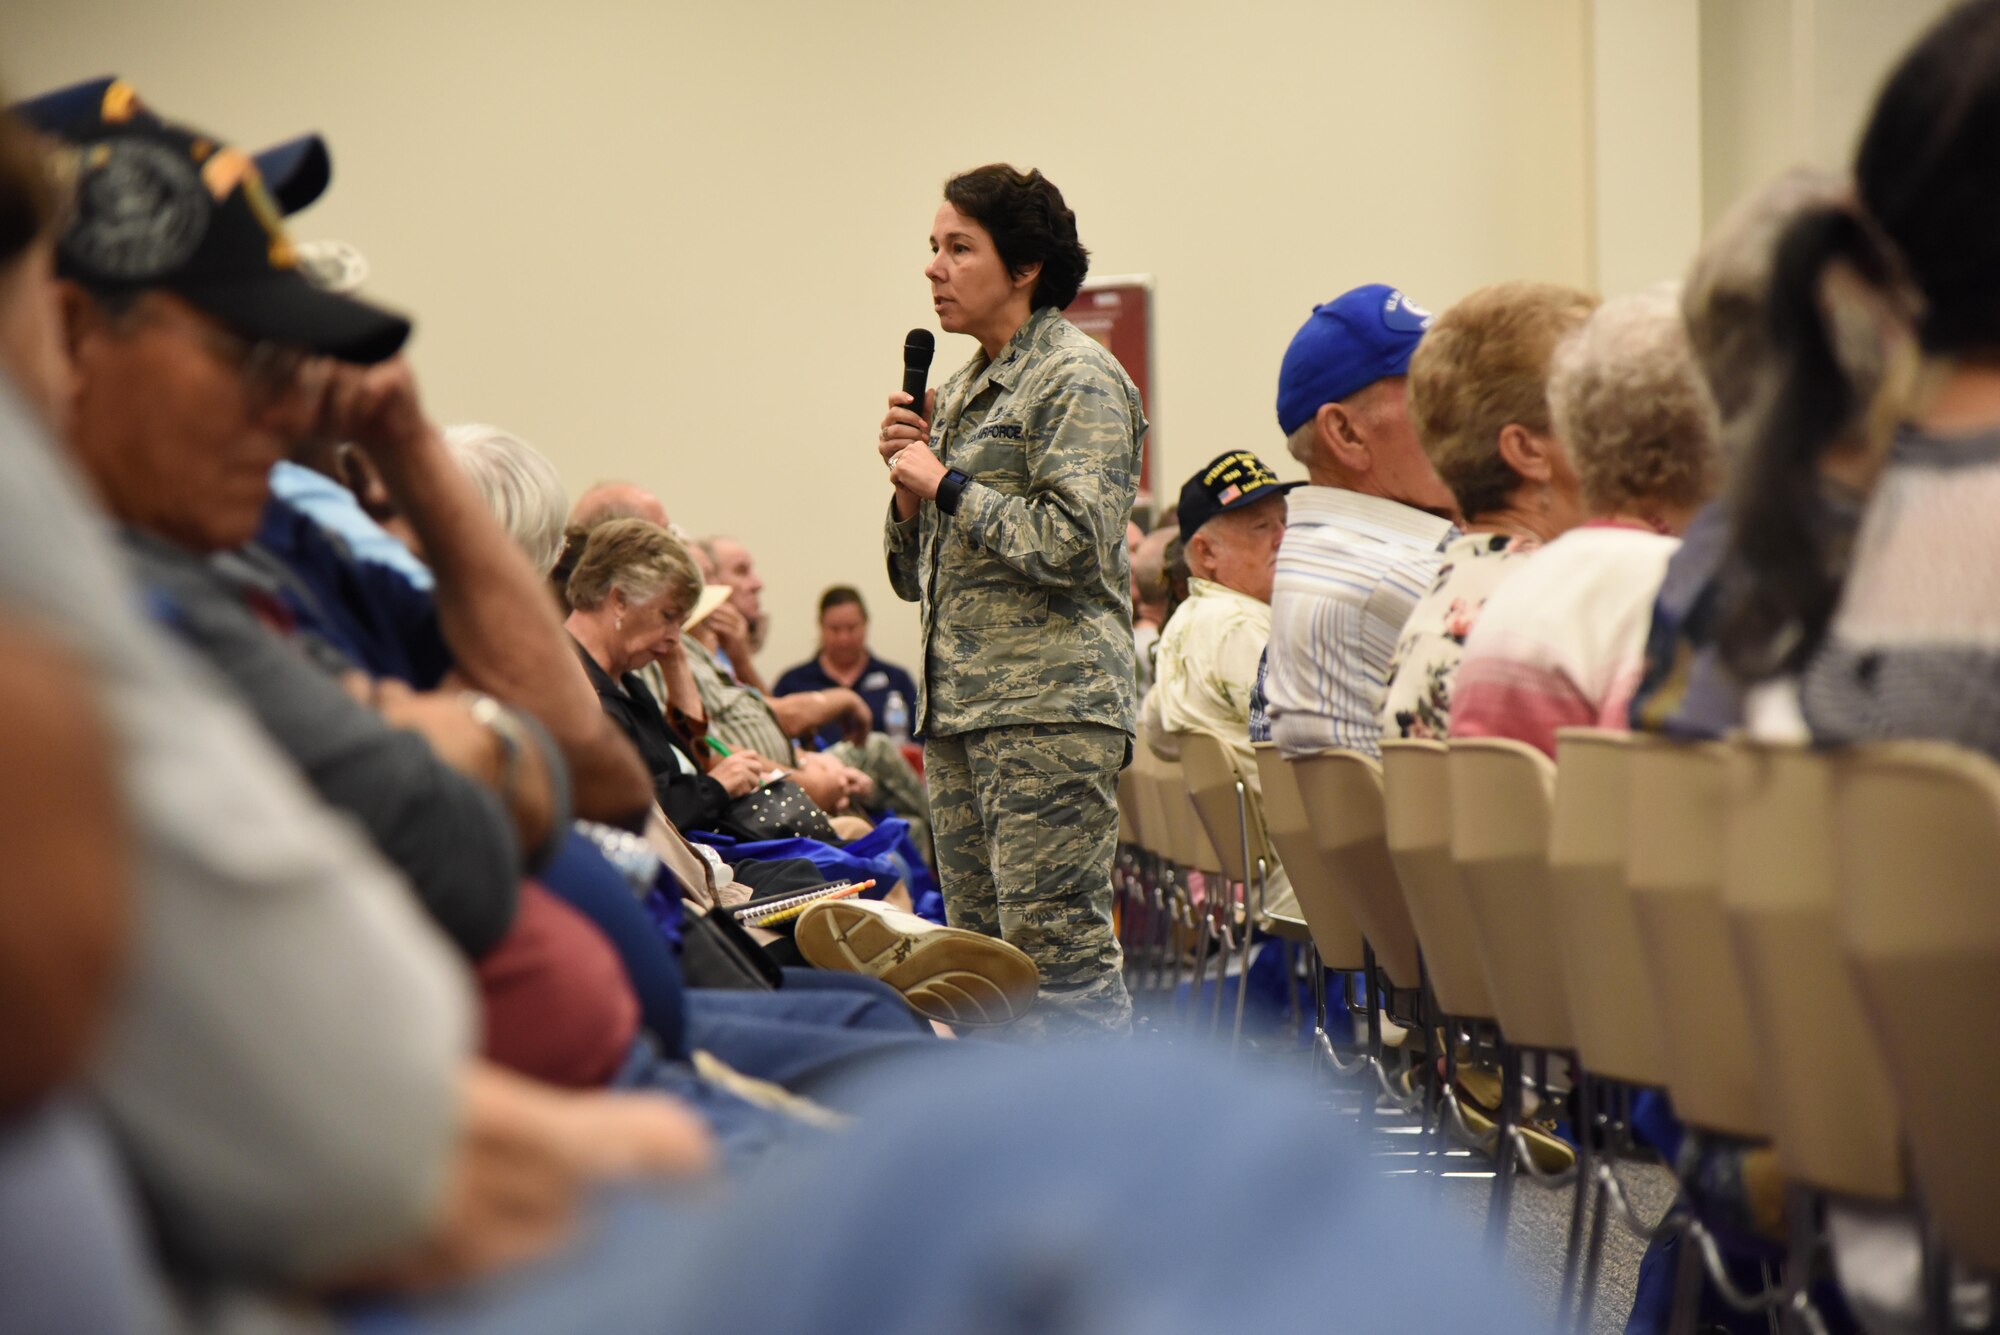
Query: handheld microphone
x,y
917,349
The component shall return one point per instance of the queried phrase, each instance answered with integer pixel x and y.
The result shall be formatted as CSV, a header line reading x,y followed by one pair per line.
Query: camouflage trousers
x,y
1026,824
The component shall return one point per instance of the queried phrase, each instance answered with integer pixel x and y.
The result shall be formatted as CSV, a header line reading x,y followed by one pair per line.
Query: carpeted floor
x,y
1539,1221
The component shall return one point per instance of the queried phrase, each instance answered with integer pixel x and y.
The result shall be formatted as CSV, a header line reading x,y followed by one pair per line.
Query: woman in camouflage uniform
x,y
1007,527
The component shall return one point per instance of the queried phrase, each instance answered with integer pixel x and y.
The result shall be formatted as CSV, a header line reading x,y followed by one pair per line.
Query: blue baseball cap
x,y
1345,345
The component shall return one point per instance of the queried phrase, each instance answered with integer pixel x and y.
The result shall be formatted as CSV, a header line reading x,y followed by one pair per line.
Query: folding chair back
x,y
1211,776
1416,791
1184,829
1674,833
1343,797
1918,831
1501,792
1617,1026
1321,898
1128,805
1826,1087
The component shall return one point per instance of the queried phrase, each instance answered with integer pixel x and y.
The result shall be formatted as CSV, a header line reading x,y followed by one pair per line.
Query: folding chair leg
x,y
1292,956
1593,1256
1166,965
1225,938
1500,1203
1200,979
1686,1310
1243,977
1583,1122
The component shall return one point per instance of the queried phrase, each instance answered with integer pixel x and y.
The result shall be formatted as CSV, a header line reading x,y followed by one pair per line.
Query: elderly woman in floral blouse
x,y
1478,398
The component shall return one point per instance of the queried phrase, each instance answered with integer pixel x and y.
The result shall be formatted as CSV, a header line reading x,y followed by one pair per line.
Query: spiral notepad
x,y
770,912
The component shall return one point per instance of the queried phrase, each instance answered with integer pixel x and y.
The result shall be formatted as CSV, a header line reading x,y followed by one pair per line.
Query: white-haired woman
x,y
519,486
1563,641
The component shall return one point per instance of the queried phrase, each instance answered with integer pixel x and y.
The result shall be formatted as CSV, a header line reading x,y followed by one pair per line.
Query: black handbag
x,y
778,810
717,952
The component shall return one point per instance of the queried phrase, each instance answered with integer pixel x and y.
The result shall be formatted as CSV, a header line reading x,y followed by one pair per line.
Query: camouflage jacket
x,y
1025,592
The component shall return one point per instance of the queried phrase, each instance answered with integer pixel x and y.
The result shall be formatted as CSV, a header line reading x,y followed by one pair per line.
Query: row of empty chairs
x,y
1801,947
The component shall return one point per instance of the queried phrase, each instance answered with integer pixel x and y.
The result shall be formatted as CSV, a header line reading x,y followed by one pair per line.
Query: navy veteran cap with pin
x,y
1229,482
157,205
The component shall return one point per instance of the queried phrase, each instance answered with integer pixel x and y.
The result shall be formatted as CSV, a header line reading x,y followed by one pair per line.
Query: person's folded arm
x,y
807,711
494,610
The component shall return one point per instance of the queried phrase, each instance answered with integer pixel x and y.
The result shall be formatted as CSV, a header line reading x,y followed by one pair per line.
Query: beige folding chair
x,y
1335,934
1330,927
1612,1014
1193,851
1416,790
1342,791
1828,1098
1673,863
1228,810
1501,795
1502,792
1173,919
1917,827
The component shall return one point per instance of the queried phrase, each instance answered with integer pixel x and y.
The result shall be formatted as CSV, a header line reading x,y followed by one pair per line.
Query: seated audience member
x,y
1152,600
729,562
1363,540
228,1080
1479,398
518,486
71,1255
1900,275
1687,691
1563,641
729,636
617,500
845,662
1232,516
631,589
865,772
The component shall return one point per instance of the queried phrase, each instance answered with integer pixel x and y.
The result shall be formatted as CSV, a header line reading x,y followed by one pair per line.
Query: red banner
x,y
1118,312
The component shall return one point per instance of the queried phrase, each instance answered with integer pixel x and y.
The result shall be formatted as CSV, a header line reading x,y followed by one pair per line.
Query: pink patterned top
x,y
1563,642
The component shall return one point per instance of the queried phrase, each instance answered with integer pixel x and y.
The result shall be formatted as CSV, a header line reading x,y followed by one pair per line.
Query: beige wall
x,y
1790,82
681,243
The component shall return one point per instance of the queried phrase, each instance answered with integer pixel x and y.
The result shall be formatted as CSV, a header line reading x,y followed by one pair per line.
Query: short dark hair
x,y
841,595
27,196
1025,215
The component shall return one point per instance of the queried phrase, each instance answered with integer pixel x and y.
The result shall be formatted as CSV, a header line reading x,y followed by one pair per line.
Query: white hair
x,y
518,485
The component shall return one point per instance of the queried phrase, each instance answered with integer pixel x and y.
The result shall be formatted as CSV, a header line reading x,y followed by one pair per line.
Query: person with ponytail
x,y
1889,634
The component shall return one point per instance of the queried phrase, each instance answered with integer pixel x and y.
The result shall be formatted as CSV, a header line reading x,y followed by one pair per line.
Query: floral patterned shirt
x,y
1418,701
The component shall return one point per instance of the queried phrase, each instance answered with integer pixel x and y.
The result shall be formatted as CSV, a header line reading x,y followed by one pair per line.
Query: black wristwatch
x,y
950,487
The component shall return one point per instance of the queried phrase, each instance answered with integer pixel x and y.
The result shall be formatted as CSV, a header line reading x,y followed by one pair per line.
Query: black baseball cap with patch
x,y
158,205
297,171
1228,482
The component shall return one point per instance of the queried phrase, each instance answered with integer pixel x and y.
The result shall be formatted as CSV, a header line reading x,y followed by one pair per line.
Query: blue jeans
x,y
817,1025
994,1189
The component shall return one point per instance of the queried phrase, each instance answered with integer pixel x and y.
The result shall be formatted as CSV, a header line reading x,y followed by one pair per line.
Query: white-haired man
x,y
1232,517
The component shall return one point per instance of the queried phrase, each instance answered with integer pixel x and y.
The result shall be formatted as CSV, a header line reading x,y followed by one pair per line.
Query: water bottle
x,y
896,718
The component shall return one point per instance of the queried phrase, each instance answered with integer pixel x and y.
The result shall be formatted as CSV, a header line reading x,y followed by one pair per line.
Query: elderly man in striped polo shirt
x,y
1363,539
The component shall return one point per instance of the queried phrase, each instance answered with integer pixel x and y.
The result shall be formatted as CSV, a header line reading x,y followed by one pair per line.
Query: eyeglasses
x,y
272,373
